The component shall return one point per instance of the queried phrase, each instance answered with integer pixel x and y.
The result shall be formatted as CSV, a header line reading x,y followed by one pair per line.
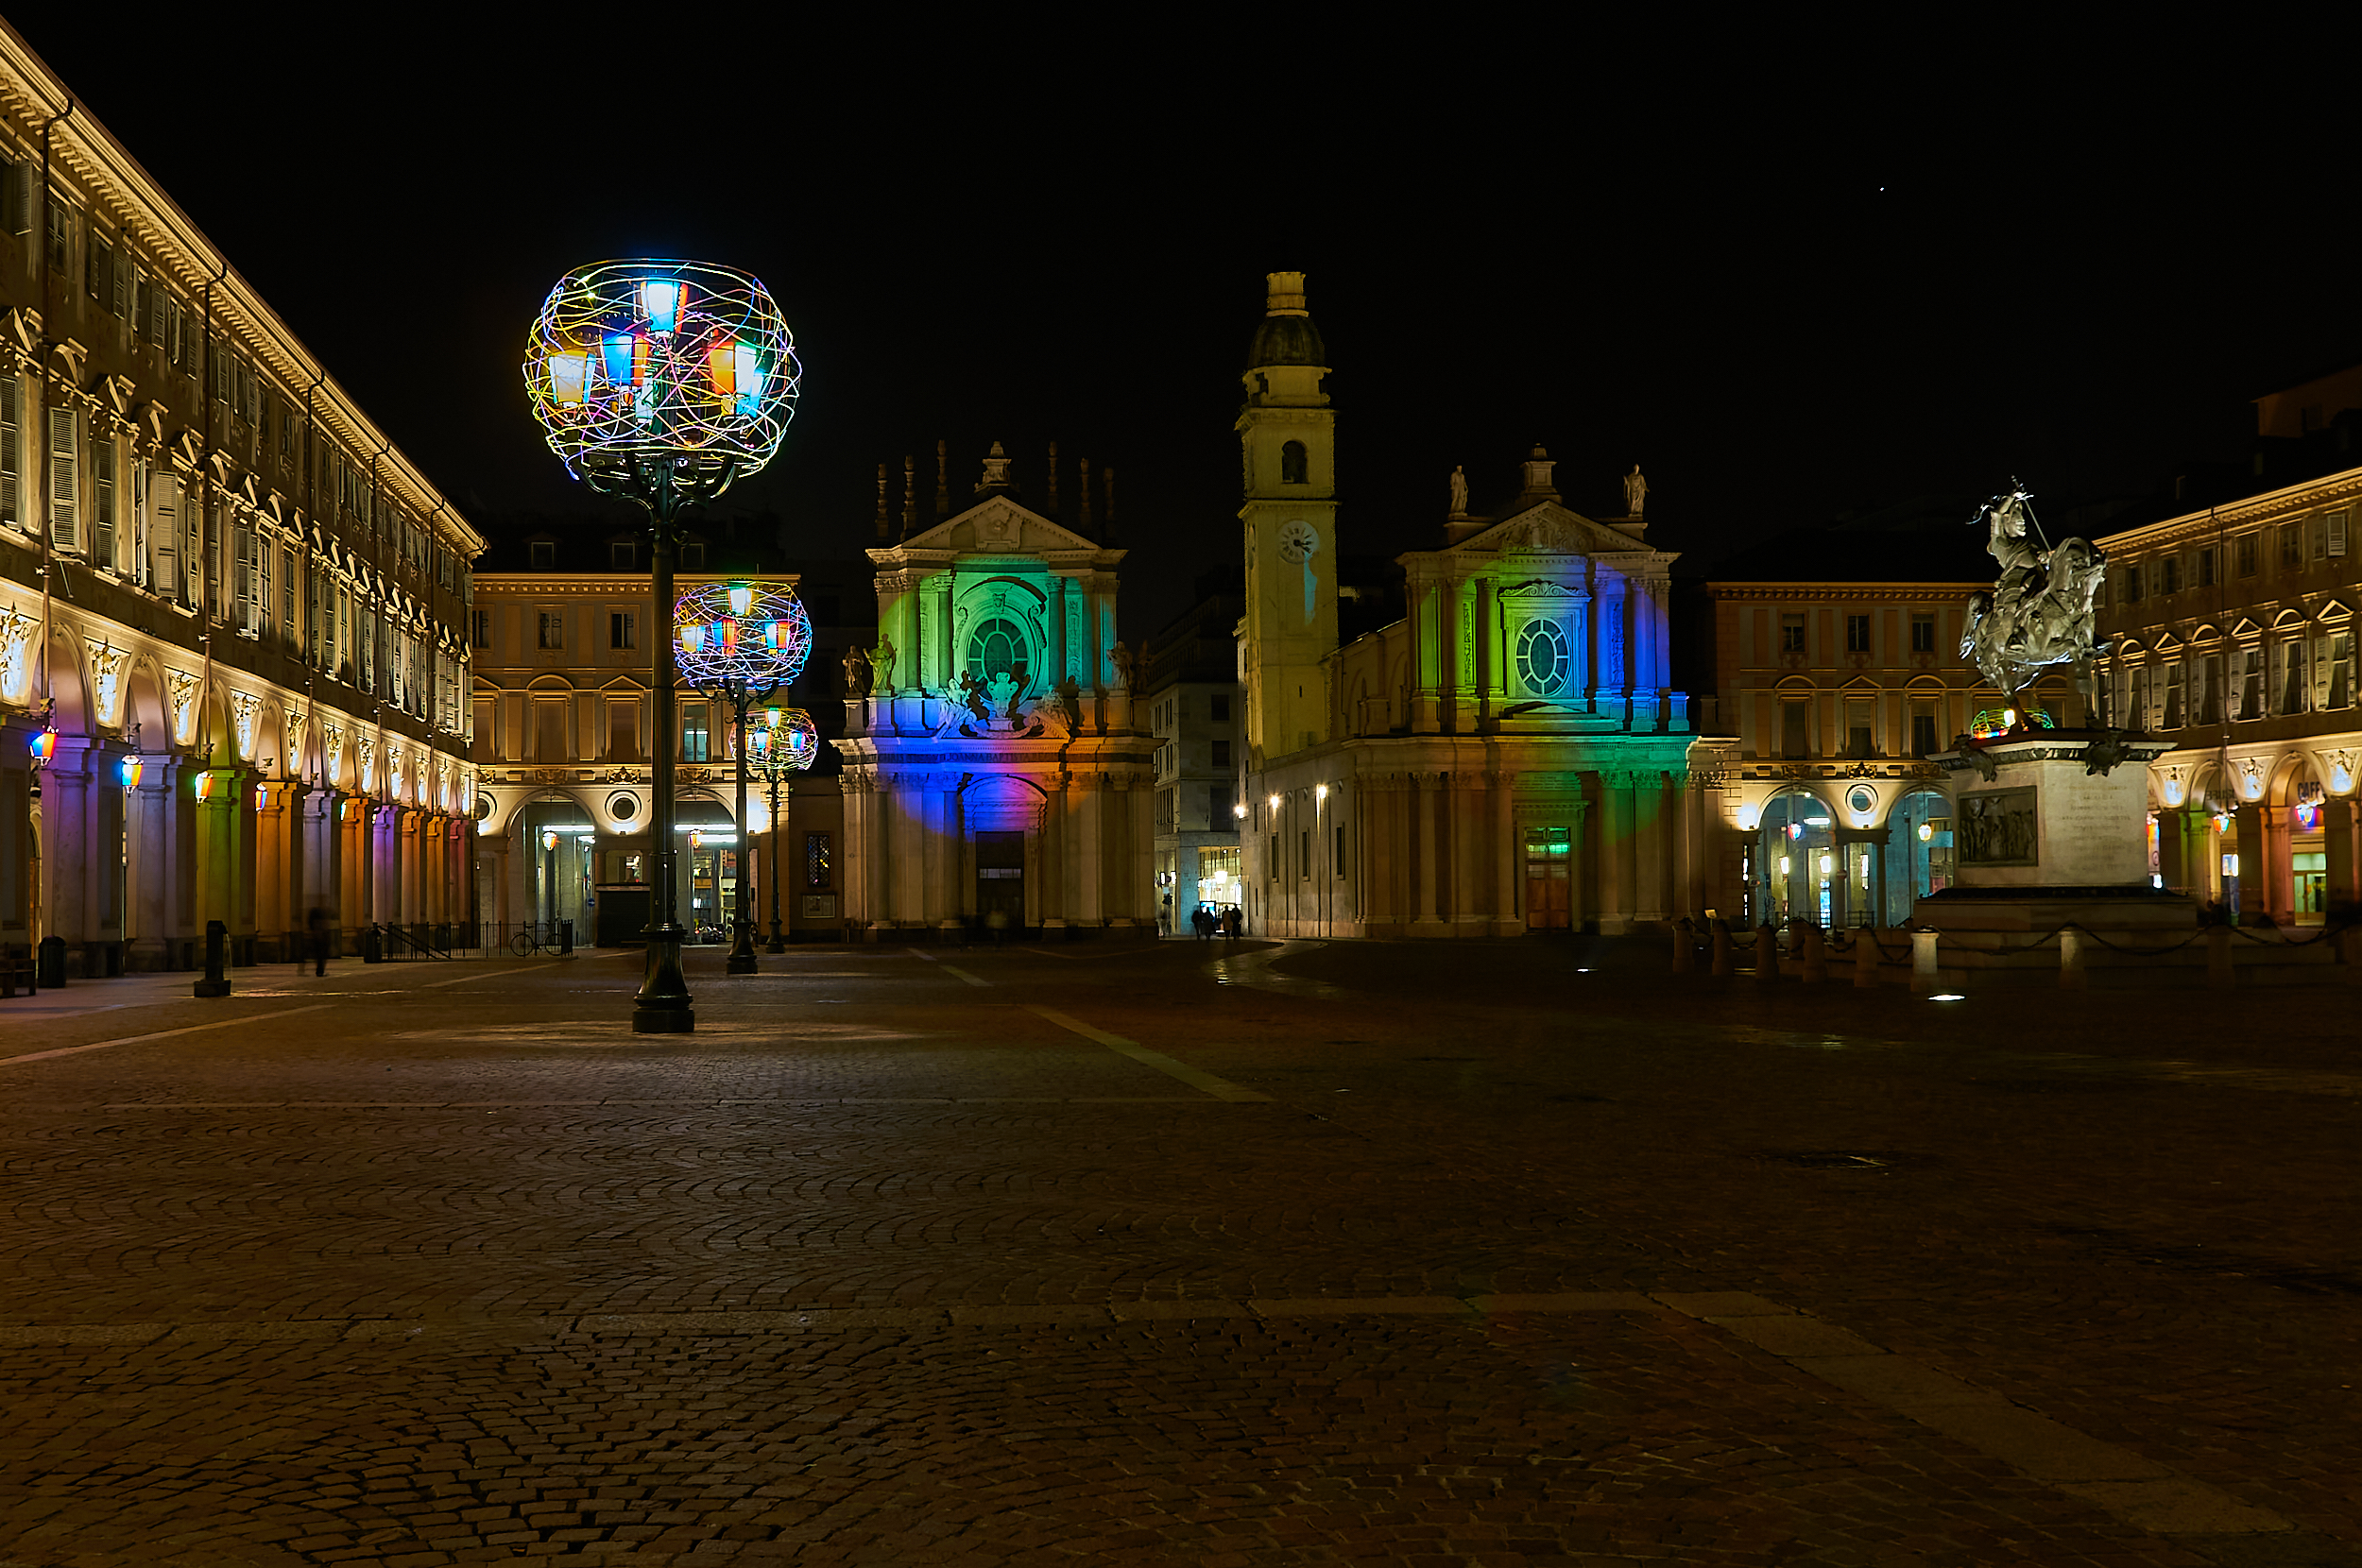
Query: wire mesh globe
x,y
789,744
752,635
640,359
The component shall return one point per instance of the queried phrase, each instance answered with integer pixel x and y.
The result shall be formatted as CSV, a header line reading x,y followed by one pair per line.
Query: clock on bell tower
x,y
1287,439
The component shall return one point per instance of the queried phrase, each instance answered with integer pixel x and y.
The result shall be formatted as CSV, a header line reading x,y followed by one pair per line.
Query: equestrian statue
x,y
2040,612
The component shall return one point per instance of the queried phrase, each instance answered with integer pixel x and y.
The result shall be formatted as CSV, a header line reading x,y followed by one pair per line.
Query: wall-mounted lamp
x,y
1239,810
1827,865
1750,818
549,839
44,743
205,785
1320,792
1926,832
1274,802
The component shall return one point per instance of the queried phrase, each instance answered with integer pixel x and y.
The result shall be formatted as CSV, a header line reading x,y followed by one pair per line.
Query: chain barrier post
x,y
1866,957
1721,934
1767,953
2219,974
1814,954
1924,977
1684,947
2071,975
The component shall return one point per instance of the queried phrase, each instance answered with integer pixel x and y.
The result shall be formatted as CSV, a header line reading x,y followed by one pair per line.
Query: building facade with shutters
x,y
1195,719
564,732
2232,633
214,565
1508,757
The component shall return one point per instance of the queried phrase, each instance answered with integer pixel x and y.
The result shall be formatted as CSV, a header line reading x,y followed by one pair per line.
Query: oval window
x,y
1542,661
998,648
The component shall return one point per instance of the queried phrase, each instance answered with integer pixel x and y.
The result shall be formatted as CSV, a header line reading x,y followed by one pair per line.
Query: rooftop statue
x,y
2040,612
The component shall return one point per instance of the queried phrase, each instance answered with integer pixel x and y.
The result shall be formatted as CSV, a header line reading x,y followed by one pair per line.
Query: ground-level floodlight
x,y
661,382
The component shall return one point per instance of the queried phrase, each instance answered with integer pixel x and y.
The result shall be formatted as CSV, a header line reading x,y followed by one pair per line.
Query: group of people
x,y
1209,922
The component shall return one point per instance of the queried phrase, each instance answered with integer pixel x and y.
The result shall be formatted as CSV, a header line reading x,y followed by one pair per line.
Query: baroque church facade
x,y
1508,757
994,771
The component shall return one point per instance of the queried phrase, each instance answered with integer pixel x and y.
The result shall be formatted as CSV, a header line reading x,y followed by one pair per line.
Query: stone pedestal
x,y
2050,829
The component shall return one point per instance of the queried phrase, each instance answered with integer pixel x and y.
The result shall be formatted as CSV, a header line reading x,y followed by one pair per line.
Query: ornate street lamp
x,y
661,382
44,745
738,643
783,748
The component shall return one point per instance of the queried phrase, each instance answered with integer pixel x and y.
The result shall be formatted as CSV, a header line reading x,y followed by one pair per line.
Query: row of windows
x,y
2283,678
704,733
1858,633
2295,545
1274,871
156,317
1859,732
1218,803
622,555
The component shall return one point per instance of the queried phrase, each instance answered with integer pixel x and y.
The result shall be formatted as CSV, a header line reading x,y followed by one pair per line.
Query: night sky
x,y
1790,280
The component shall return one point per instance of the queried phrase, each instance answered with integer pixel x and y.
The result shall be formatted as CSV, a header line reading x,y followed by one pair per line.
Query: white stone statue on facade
x,y
2040,612
1459,491
856,673
1121,657
1636,492
882,661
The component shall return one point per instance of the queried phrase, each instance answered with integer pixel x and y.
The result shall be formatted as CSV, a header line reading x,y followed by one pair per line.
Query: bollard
x,y
1723,948
1813,952
1924,977
1684,947
217,981
1866,957
2218,957
1767,952
49,963
2071,976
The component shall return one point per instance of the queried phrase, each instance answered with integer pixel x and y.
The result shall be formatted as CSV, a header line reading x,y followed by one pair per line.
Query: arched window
x,y
998,647
1542,661
1295,464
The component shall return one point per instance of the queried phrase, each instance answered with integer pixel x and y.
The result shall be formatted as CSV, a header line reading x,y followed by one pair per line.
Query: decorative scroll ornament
x,y
292,762
2342,770
105,673
180,695
334,740
364,751
2040,613
688,362
16,665
752,637
243,709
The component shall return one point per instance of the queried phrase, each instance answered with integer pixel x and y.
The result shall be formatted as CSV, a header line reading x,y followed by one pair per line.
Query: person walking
x,y
318,921
1233,923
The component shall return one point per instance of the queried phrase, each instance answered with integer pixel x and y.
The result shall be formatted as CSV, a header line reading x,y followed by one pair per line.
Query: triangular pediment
x,y
1546,528
2333,611
2245,628
997,527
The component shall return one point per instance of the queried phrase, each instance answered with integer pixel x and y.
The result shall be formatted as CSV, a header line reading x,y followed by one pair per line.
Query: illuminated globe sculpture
x,y
737,642
662,381
781,749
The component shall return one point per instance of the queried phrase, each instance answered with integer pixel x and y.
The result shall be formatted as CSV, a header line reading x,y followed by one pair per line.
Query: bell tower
x,y
1287,439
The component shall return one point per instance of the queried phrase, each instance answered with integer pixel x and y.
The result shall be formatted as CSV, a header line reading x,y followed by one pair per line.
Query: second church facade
x,y
1509,757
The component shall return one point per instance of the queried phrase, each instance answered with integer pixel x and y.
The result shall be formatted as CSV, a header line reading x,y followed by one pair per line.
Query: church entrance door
x,y
1547,852
1001,879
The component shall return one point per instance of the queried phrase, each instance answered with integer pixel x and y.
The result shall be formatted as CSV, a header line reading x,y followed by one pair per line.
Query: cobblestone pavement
x,y
1492,1255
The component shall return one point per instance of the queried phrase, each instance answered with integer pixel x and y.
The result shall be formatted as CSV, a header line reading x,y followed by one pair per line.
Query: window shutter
x,y
16,196
102,503
2338,533
10,466
65,532
121,305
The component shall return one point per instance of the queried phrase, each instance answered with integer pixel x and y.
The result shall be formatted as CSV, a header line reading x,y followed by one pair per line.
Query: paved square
x,y
1361,1254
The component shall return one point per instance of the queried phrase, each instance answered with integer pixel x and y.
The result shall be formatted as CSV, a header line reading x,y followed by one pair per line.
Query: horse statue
x,y
2040,613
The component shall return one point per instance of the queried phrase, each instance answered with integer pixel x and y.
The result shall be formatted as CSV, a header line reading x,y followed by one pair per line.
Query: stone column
x,y
1618,871
2278,867
952,838
877,835
1090,848
2338,842
2173,859
1651,847
1576,904
155,872
2254,874
271,866
1429,871
1115,870
1053,856
66,851
1506,920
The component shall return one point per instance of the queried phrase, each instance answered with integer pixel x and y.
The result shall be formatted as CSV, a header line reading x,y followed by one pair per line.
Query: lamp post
x,y
738,642
784,748
661,382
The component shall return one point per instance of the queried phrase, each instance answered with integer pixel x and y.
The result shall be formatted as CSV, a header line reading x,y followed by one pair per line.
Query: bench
x,y
12,969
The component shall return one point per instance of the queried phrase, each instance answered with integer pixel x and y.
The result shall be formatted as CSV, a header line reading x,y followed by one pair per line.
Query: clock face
x,y
1297,541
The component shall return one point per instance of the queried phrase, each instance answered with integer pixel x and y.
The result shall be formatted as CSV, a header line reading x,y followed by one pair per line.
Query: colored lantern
x,y
693,364
128,771
45,747
716,652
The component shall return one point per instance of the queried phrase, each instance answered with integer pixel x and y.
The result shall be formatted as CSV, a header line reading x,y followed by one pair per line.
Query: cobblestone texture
x,y
416,1278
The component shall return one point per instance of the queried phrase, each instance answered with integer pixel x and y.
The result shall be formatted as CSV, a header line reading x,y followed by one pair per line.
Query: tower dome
x,y
1286,334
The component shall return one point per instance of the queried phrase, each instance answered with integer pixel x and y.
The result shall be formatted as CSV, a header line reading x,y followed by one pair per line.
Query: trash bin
x,y
372,945
50,967
565,937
